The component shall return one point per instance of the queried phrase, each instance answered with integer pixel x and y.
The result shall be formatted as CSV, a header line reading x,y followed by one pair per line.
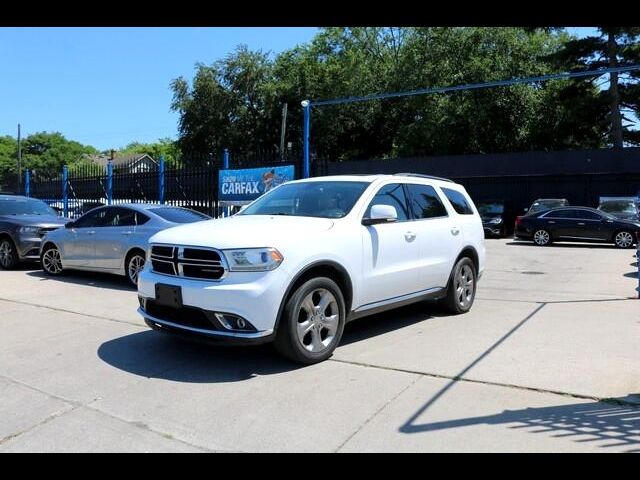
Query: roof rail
x,y
424,176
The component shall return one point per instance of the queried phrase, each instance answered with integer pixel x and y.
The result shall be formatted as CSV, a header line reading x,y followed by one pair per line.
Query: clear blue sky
x,y
109,86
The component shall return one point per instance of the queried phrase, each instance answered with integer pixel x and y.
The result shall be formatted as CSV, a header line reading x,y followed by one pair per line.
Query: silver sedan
x,y
110,239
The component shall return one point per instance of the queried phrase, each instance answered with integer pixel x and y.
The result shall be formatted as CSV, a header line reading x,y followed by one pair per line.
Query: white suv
x,y
311,255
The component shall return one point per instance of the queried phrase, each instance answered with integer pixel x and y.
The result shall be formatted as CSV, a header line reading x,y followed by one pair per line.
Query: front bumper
x,y
492,228
253,296
28,247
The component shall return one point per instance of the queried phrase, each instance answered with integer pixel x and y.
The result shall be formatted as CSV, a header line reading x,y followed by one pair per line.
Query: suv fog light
x,y
233,322
143,302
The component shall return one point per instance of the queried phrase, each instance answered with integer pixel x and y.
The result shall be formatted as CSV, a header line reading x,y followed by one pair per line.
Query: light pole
x,y
306,109
19,161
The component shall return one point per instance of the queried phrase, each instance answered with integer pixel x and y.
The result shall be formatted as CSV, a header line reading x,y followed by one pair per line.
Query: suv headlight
x,y
253,259
29,230
495,220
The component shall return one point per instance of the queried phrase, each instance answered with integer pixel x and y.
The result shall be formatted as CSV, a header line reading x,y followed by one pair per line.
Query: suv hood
x,y
35,220
243,231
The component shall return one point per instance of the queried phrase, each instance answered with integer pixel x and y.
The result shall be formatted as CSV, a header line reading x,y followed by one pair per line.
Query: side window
x,y
425,202
91,219
458,201
124,218
587,215
392,194
562,213
141,218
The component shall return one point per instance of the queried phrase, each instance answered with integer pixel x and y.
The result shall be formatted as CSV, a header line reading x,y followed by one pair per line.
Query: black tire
x,y
319,329
541,237
460,301
623,239
134,256
51,261
8,254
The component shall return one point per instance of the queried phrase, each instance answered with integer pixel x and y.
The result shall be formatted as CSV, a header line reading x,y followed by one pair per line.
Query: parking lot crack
x,y
376,413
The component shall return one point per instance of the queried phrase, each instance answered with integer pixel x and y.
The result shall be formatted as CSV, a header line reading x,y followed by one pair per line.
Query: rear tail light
x,y
518,220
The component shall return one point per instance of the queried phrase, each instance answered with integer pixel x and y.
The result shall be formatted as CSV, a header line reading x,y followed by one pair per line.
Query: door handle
x,y
127,233
410,236
580,223
455,231
92,232
552,221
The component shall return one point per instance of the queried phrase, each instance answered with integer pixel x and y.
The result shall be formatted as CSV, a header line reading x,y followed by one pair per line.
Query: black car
x,y
23,223
498,217
576,224
542,204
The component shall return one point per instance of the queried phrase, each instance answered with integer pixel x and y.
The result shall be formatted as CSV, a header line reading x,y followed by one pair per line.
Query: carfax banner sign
x,y
242,186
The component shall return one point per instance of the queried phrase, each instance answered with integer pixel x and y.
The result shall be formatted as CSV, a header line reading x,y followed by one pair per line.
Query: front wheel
x,y
623,239
135,264
461,290
312,322
51,260
8,254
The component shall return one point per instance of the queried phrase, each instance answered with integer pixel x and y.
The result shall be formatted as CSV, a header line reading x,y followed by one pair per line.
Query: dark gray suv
x,y
23,223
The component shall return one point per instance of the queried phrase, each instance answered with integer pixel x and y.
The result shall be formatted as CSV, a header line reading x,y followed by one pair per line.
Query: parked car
x,y
576,224
310,255
622,208
543,204
498,217
23,223
110,239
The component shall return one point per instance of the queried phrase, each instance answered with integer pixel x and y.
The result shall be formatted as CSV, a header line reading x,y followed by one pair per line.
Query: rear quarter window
x,y
458,201
179,215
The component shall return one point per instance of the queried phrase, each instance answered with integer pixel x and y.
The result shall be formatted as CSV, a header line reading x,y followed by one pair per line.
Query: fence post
x,y
161,181
65,191
225,166
109,182
27,183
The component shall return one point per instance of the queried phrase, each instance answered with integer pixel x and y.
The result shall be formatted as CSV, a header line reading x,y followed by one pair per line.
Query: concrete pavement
x,y
547,360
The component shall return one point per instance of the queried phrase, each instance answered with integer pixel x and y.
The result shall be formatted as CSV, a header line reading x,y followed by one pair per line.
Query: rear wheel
x,y
461,290
51,260
8,254
541,237
134,265
623,239
312,323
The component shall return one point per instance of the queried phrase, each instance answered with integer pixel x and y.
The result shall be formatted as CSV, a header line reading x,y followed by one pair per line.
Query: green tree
x,y
613,47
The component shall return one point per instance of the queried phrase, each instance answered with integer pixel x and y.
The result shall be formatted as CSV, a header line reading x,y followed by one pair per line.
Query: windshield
x,y
25,206
309,199
493,208
621,206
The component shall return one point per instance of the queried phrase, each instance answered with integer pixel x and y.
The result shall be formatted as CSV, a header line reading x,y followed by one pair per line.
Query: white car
x,y
310,255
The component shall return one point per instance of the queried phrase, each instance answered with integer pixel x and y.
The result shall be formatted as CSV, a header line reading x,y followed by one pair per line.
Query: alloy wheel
x,y
6,254
135,266
464,286
541,237
51,261
318,320
624,239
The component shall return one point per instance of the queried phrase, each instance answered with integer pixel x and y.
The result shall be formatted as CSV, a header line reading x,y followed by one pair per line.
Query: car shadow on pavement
x,y
154,354
93,279
564,245
606,424
385,322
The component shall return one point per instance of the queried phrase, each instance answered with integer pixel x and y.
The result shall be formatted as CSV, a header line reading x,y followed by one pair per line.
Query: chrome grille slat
x,y
201,263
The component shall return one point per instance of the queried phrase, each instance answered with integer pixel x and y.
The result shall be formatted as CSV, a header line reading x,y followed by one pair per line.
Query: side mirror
x,y
70,225
526,209
381,214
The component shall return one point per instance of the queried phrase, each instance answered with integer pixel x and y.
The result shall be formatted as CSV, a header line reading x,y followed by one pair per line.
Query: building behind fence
x,y
581,176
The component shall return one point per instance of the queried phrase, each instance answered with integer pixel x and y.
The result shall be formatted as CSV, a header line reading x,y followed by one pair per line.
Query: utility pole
x,y
19,162
283,130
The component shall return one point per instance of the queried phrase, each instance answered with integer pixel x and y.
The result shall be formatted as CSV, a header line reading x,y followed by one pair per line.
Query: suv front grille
x,y
188,262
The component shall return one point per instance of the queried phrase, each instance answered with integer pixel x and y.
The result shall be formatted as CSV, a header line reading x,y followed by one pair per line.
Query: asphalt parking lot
x,y
547,360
